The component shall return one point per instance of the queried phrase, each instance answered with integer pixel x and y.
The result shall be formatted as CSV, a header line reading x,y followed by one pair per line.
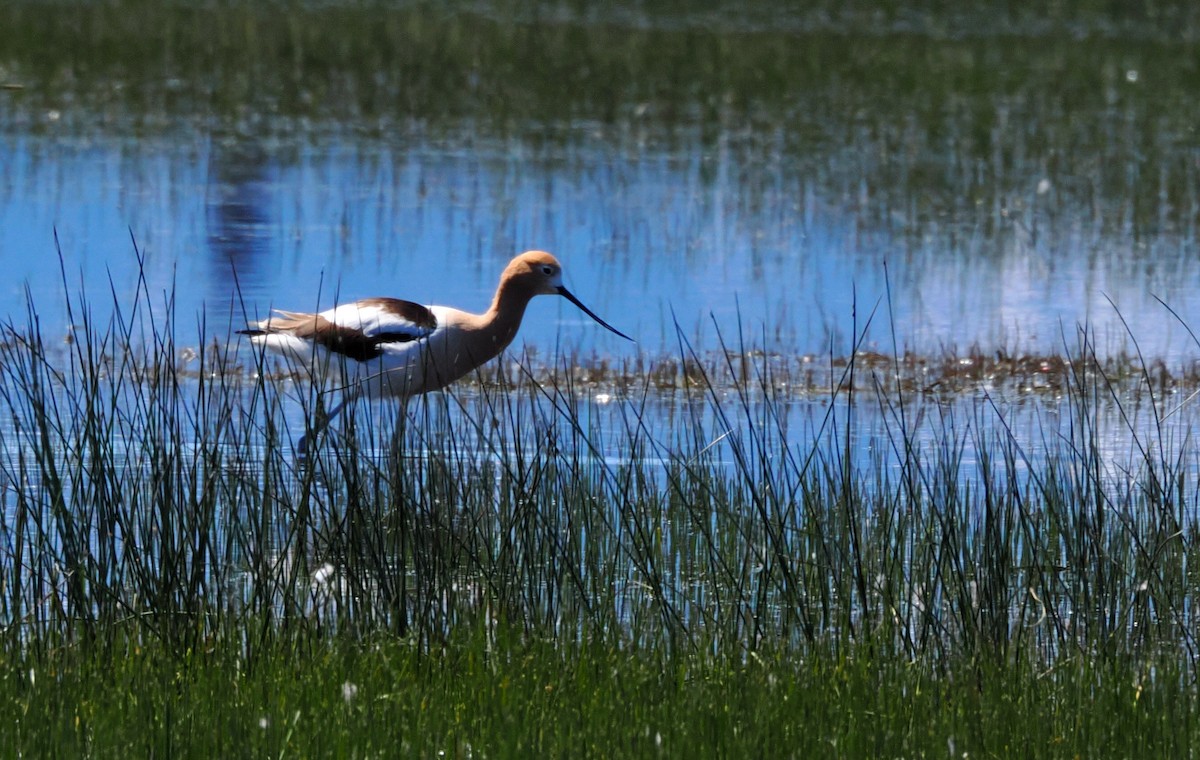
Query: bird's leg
x,y
320,422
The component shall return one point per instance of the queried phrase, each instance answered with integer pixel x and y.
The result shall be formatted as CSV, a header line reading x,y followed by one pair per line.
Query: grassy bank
x,y
505,569
501,694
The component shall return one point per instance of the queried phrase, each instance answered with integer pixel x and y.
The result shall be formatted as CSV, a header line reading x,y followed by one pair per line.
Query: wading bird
x,y
388,347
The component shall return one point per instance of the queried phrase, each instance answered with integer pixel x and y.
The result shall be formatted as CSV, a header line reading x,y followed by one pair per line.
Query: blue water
x,y
715,240
648,235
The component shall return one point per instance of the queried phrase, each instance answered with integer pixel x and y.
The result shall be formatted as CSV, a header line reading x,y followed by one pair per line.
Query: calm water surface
x,y
703,237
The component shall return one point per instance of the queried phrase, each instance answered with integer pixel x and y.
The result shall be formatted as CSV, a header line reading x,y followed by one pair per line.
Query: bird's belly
x,y
417,368
403,369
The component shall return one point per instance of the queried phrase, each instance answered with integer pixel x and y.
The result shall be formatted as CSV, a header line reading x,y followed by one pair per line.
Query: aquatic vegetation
x,y
932,114
158,521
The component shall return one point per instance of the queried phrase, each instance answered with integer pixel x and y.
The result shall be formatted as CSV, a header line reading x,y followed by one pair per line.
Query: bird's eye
x,y
547,269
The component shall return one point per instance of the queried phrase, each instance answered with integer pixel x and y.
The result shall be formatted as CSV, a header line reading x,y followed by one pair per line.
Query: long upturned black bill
x,y
570,297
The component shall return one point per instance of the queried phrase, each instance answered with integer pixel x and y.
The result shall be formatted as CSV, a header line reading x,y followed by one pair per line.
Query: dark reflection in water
x,y
240,193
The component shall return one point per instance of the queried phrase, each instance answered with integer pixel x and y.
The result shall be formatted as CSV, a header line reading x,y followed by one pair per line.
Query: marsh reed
x,y
150,492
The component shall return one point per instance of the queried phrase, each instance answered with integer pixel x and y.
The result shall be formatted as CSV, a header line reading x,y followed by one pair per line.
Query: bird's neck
x,y
503,317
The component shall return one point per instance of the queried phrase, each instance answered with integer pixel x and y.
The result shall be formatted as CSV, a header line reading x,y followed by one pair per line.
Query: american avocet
x,y
388,347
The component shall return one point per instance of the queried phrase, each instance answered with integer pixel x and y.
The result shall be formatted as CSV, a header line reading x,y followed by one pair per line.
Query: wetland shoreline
x,y
964,524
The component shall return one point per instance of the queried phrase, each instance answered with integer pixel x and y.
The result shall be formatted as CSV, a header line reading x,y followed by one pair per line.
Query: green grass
x,y
173,581
495,694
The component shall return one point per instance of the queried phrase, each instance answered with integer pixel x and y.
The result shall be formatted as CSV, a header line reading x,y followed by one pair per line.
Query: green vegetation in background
x,y
954,109
547,64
